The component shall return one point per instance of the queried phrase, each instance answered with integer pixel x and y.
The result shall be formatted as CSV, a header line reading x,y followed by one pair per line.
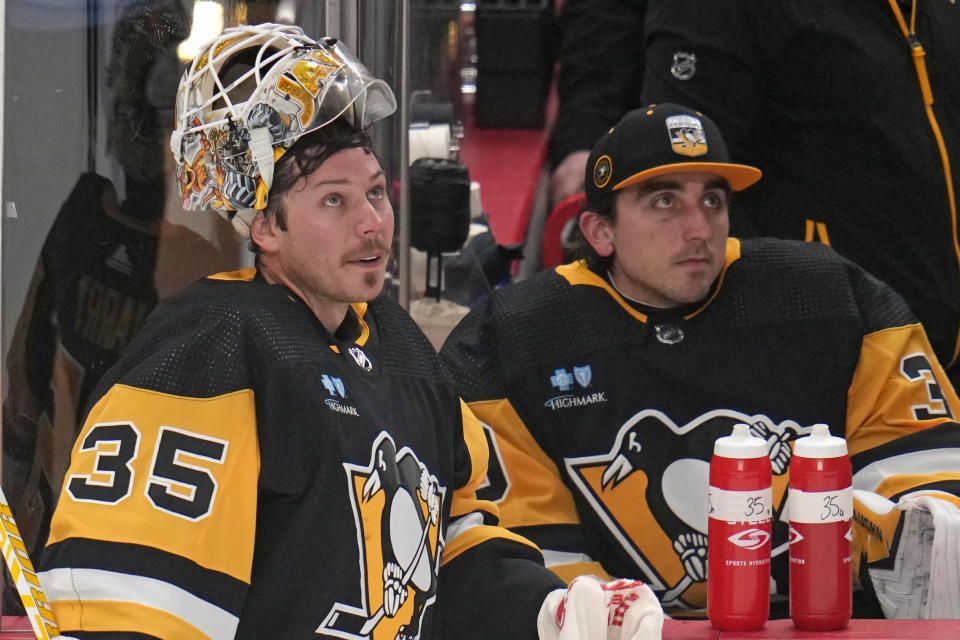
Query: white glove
x,y
943,594
591,610
924,581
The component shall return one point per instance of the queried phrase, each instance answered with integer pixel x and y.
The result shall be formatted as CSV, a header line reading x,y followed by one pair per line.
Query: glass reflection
x,y
94,236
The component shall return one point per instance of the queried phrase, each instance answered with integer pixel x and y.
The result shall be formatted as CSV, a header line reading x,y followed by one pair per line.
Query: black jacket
x,y
825,99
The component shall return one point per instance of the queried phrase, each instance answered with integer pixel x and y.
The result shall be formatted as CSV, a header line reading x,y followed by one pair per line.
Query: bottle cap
x,y
740,444
820,444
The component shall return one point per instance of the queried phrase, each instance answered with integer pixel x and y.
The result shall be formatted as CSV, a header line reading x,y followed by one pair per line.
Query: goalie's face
x,y
335,248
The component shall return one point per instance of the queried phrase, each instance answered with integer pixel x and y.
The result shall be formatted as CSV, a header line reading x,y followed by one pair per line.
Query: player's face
x,y
339,229
669,238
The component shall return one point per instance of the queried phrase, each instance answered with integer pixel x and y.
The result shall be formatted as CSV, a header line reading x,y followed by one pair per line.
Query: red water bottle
x,y
740,498
820,505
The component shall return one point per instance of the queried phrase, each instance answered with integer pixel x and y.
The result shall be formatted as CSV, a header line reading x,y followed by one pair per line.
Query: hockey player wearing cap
x,y
278,453
605,382
849,108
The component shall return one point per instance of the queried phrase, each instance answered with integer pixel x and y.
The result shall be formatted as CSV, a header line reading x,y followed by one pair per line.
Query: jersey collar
x,y
578,273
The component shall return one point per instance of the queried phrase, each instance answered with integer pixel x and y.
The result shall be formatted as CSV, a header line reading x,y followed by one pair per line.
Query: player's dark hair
x,y
605,207
303,158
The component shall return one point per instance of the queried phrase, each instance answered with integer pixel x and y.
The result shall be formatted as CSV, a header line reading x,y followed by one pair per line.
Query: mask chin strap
x,y
261,148
176,141
242,220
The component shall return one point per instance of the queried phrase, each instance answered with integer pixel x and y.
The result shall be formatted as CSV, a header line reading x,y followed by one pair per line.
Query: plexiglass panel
x,y
93,232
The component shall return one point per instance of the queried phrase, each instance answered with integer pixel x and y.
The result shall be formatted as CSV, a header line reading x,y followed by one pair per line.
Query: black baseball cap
x,y
657,140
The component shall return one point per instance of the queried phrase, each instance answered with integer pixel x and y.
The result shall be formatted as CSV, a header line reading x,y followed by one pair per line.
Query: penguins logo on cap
x,y
602,171
686,135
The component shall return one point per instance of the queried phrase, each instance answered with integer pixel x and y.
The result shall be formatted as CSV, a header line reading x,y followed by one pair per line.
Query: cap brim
x,y
739,176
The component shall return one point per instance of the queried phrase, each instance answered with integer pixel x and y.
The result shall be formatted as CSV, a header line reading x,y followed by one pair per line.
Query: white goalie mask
x,y
247,97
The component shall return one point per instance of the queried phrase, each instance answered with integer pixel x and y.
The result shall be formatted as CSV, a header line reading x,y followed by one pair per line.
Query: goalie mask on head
x,y
247,97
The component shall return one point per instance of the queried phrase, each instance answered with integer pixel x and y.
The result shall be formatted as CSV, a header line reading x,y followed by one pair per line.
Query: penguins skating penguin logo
x,y
396,503
654,479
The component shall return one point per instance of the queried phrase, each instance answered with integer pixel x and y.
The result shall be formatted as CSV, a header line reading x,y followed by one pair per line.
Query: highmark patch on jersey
x,y
338,396
396,505
665,533
571,387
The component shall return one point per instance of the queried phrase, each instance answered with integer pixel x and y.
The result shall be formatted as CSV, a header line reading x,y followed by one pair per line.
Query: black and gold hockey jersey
x,y
602,414
246,474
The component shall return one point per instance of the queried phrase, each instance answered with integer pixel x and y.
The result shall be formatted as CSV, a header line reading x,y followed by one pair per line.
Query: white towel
x,y
924,580
943,590
591,610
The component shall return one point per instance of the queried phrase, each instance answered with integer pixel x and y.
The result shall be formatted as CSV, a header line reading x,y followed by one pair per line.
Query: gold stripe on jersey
x,y
537,495
904,483
476,444
884,402
465,498
474,536
578,273
360,308
949,497
567,572
817,229
221,537
242,275
109,615
872,533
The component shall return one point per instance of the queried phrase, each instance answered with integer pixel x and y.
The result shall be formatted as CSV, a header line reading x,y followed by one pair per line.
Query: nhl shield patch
x,y
360,358
684,65
686,135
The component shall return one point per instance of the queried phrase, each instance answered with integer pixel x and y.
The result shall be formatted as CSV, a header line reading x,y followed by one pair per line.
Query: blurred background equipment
x,y
515,54
439,213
